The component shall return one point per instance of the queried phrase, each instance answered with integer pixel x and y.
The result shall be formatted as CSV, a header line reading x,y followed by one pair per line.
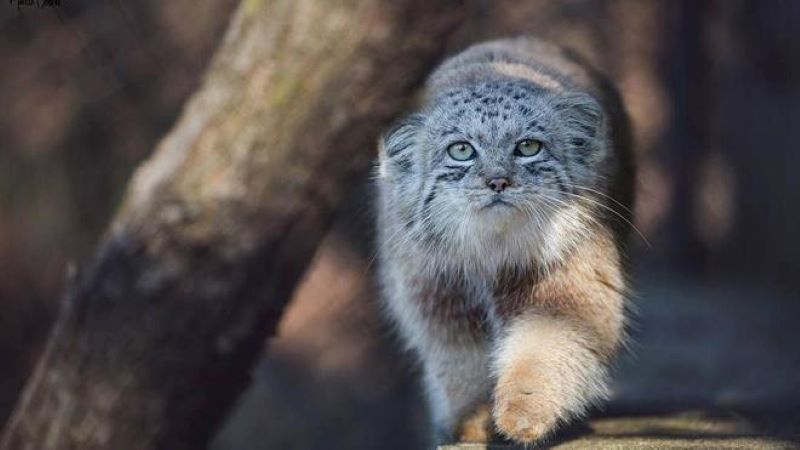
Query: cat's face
x,y
493,164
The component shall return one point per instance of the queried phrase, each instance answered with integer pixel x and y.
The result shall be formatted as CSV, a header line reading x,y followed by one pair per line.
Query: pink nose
x,y
498,184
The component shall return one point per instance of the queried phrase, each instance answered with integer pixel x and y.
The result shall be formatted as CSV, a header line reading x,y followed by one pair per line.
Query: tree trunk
x,y
157,336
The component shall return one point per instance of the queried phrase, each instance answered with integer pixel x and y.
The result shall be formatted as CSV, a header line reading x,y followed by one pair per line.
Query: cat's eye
x,y
461,151
528,147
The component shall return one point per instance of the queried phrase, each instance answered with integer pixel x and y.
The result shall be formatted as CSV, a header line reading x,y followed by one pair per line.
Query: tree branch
x,y
158,335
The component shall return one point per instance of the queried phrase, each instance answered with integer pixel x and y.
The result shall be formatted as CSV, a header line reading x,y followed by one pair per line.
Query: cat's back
x,y
526,58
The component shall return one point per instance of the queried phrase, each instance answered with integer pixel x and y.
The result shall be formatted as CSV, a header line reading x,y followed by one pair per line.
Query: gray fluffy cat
x,y
504,209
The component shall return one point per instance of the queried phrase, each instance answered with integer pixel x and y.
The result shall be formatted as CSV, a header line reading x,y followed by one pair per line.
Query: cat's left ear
x,y
583,115
396,147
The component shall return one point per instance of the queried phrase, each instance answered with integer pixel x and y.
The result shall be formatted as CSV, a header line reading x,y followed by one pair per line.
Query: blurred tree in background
x,y
87,90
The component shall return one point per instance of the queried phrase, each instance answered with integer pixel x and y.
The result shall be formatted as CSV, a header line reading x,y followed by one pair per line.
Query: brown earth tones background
x,y
88,88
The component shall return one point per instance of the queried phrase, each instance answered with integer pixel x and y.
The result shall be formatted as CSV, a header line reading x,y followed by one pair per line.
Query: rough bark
x,y
157,335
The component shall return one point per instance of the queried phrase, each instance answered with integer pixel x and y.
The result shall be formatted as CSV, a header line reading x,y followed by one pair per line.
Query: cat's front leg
x,y
550,361
456,378
547,373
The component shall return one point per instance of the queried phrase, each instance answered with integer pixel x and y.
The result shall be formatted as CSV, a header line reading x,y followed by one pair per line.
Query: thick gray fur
x,y
437,230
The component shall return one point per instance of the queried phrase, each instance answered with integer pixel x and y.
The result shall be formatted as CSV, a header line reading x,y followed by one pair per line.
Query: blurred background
x,y
713,90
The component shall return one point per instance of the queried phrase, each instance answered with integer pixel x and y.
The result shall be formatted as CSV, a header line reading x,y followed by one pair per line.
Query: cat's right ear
x,y
395,150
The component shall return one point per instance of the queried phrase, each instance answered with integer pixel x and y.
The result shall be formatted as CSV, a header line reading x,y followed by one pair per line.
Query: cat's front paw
x,y
476,427
522,412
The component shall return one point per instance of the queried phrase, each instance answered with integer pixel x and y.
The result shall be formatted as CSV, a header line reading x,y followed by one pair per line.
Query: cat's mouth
x,y
497,202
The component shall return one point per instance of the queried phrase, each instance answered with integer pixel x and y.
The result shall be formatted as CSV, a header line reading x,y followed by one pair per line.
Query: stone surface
x,y
692,430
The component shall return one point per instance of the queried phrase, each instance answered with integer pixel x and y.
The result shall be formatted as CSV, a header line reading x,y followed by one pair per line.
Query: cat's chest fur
x,y
479,307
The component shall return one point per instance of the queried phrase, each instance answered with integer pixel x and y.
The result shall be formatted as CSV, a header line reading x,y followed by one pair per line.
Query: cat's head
x,y
495,170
